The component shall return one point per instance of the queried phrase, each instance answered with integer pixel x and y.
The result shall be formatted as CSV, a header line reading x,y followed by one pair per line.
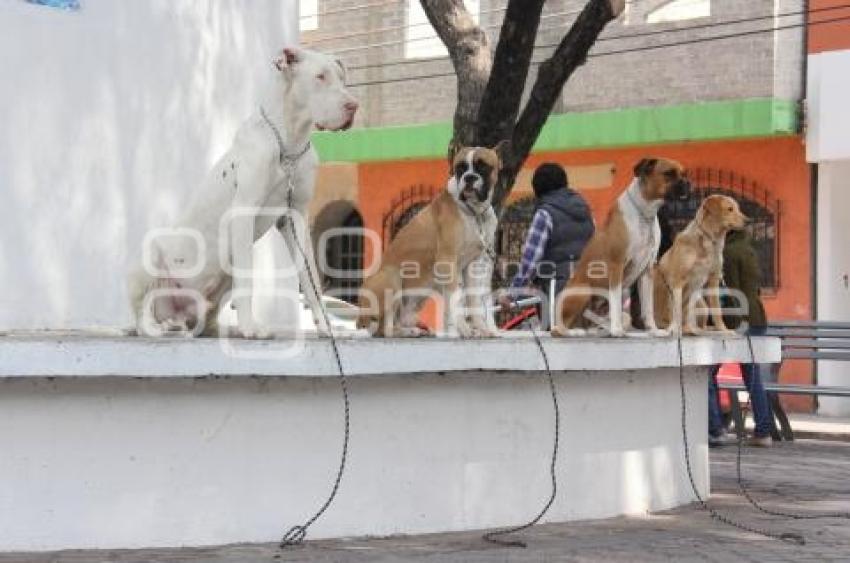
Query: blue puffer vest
x,y
572,227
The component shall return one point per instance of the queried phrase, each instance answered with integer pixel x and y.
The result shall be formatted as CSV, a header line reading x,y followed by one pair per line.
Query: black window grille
x,y
404,208
757,203
344,253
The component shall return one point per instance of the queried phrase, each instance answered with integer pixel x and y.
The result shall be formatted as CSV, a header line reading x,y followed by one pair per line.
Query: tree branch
x,y
552,74
469,51
503,94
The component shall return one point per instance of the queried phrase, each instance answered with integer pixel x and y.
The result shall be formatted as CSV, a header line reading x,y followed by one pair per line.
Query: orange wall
x,y
777,164
833,36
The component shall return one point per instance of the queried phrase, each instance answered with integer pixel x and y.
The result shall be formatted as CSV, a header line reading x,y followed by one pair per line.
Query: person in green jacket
x,y
741,272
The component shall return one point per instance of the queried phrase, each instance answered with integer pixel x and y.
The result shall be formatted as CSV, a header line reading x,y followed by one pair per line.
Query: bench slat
x,y
810,324
807,333
815,343
791,389
800,354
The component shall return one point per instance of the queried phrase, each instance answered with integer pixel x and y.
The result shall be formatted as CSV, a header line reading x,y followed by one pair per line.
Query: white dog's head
x,y
319,81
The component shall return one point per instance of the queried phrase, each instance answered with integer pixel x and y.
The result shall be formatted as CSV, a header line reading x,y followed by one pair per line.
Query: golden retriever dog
x,y
694,262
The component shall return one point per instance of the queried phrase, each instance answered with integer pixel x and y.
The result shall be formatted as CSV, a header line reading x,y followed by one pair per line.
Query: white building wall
x,y
110,115
828,118
828,145
833,270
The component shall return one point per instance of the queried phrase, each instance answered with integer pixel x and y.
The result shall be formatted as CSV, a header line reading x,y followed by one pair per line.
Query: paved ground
x,y
820,427
806,476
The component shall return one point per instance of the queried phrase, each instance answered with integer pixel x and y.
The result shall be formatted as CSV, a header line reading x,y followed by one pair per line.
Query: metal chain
x,y
296,534
491,536
747,495
790,537
480,219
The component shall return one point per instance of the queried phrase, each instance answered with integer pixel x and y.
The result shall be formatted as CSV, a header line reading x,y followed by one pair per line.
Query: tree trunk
x,y
500,103
488,102
470,53
552,74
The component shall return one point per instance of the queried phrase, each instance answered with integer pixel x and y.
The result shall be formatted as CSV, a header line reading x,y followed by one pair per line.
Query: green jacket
x,y
741,272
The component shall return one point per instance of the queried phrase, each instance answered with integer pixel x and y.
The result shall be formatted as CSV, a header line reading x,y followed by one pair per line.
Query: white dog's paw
x,y
562,332
725,333
617,332
412,332
252,331
658,332
464,330
482,332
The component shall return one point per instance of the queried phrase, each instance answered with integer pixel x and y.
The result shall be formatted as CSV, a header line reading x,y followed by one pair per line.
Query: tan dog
x,y
448,249
623,250
695,261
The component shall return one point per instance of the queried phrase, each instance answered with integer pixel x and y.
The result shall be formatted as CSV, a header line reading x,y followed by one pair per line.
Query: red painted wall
x,y
777,164
833,36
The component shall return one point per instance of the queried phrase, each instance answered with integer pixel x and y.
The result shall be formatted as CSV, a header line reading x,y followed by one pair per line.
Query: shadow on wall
x,y
114,115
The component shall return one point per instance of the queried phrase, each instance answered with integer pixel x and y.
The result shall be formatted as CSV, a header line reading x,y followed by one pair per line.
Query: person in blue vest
x,y
561,227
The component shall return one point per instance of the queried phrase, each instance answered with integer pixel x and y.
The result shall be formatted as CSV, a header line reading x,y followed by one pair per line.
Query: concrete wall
x,y
833,270
759,65
125,463
110,116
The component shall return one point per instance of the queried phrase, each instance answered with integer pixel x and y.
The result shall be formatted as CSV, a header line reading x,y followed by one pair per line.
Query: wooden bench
x,y
808,340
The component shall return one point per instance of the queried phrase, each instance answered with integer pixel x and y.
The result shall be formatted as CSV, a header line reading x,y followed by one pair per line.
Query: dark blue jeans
x,y
758,399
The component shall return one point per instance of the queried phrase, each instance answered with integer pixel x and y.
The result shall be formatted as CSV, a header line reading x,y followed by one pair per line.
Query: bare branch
x,y
503,95
470,53
552,74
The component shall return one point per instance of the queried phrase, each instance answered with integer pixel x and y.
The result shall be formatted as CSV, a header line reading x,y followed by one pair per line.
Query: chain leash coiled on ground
x,y
296,534
747,495
790,537
492,537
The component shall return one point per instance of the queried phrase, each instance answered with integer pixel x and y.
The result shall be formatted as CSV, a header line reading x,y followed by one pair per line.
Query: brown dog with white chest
x,y
694,262
623,251
447,249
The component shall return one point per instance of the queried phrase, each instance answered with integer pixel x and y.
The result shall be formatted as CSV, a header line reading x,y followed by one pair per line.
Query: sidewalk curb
x,y
826,436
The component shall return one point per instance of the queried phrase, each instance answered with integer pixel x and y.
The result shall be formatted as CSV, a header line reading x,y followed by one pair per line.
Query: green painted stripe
x,y
737,119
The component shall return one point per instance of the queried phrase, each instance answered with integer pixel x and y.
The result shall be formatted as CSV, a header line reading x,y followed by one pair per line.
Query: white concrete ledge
x,y
122,442
80,355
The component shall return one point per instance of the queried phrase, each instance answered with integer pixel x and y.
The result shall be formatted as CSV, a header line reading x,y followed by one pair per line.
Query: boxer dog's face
x,y
318,81
662,178
475,171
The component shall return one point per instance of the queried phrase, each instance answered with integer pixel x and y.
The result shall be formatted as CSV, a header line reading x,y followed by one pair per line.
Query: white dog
x,y
265,179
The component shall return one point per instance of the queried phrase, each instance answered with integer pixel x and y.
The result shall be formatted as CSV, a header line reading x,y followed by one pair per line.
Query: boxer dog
x,y
268,172
623,250
447,247
693,262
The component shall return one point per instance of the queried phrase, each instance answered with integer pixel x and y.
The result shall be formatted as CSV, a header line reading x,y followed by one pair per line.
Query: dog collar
x,y
649,218
478,216
282,156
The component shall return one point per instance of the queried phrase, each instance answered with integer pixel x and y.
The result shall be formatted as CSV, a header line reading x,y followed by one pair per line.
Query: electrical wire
x,y
391,29
622,51
347,9
432,37
627,36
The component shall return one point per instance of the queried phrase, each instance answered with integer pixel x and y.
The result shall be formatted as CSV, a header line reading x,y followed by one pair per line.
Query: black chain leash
x,y
492,536
747,495
790,537
296,534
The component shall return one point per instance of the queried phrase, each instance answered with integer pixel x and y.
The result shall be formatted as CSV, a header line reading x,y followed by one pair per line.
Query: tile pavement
x,y
804,476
